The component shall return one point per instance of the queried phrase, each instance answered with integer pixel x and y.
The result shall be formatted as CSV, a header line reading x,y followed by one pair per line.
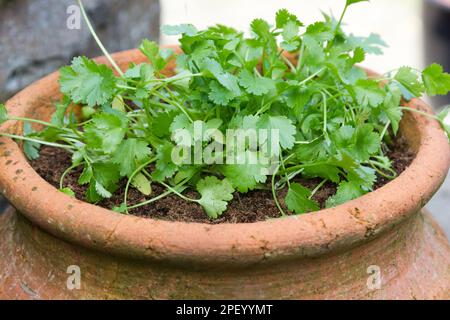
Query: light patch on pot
x,y
447,119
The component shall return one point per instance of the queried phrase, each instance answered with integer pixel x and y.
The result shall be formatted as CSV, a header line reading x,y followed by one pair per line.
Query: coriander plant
x,y
332,120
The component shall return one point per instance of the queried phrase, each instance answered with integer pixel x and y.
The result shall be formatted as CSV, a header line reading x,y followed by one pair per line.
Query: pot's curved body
x,y
380,246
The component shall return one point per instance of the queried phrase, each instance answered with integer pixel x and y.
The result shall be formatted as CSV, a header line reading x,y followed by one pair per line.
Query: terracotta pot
x,y
323,255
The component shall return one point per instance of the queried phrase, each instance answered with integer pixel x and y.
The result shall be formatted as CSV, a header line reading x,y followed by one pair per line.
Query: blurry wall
x,y
399,22
437,37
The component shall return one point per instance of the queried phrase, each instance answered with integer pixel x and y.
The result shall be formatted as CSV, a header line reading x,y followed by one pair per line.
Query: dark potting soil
x,y
244,208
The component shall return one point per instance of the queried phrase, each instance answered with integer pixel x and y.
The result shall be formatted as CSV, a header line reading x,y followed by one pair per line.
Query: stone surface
x,y
35,39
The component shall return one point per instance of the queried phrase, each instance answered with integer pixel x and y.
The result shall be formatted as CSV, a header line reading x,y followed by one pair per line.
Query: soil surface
x,y
244,208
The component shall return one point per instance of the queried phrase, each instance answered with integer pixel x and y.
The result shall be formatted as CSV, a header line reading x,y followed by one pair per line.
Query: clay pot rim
x,y
232,244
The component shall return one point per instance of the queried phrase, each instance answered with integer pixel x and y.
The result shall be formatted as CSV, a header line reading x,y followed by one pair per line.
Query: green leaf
x,y
141,183
350,2
174,30
165,168
444,117
151,50
58,118
86,175
226,79
372,44
368,92
3,114
130,154
161,123
436,81
284,126
215,195
361,142
297,199
255,85
261,28
391,107
68,192
283,16
247,173
410,83
106,131
346,191
103,183
30,148
87,82
219,94
325,171
366,142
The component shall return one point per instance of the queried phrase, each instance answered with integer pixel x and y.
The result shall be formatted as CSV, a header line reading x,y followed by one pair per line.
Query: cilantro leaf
x,y
281,124
436,81
30,148
409,82
103,183
151,50
347,190
174,30
68,192
297,199
255,85
165,168
106,131
87,82
226,79
215,195
248,171
350,2
130,154
141,183
283,16
219,94
372,44
368,92
391,107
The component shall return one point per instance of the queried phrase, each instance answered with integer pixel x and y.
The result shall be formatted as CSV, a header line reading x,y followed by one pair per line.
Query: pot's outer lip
x,y
230,244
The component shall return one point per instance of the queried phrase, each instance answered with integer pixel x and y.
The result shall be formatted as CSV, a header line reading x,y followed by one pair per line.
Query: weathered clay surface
x,y
320,255
413,259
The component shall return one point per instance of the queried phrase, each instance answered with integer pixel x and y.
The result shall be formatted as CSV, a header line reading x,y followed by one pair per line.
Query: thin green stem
x,y
431,116
311,77
50,144
97,39
320,185
61,181
178,193
130,179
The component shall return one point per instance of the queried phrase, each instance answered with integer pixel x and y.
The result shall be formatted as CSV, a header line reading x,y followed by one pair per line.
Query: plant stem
x,y
311,77
431,116
61,181
320,185
139,169
50,144
100,44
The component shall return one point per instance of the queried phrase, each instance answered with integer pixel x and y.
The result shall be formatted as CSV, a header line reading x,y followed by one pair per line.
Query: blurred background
x,y
35,39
